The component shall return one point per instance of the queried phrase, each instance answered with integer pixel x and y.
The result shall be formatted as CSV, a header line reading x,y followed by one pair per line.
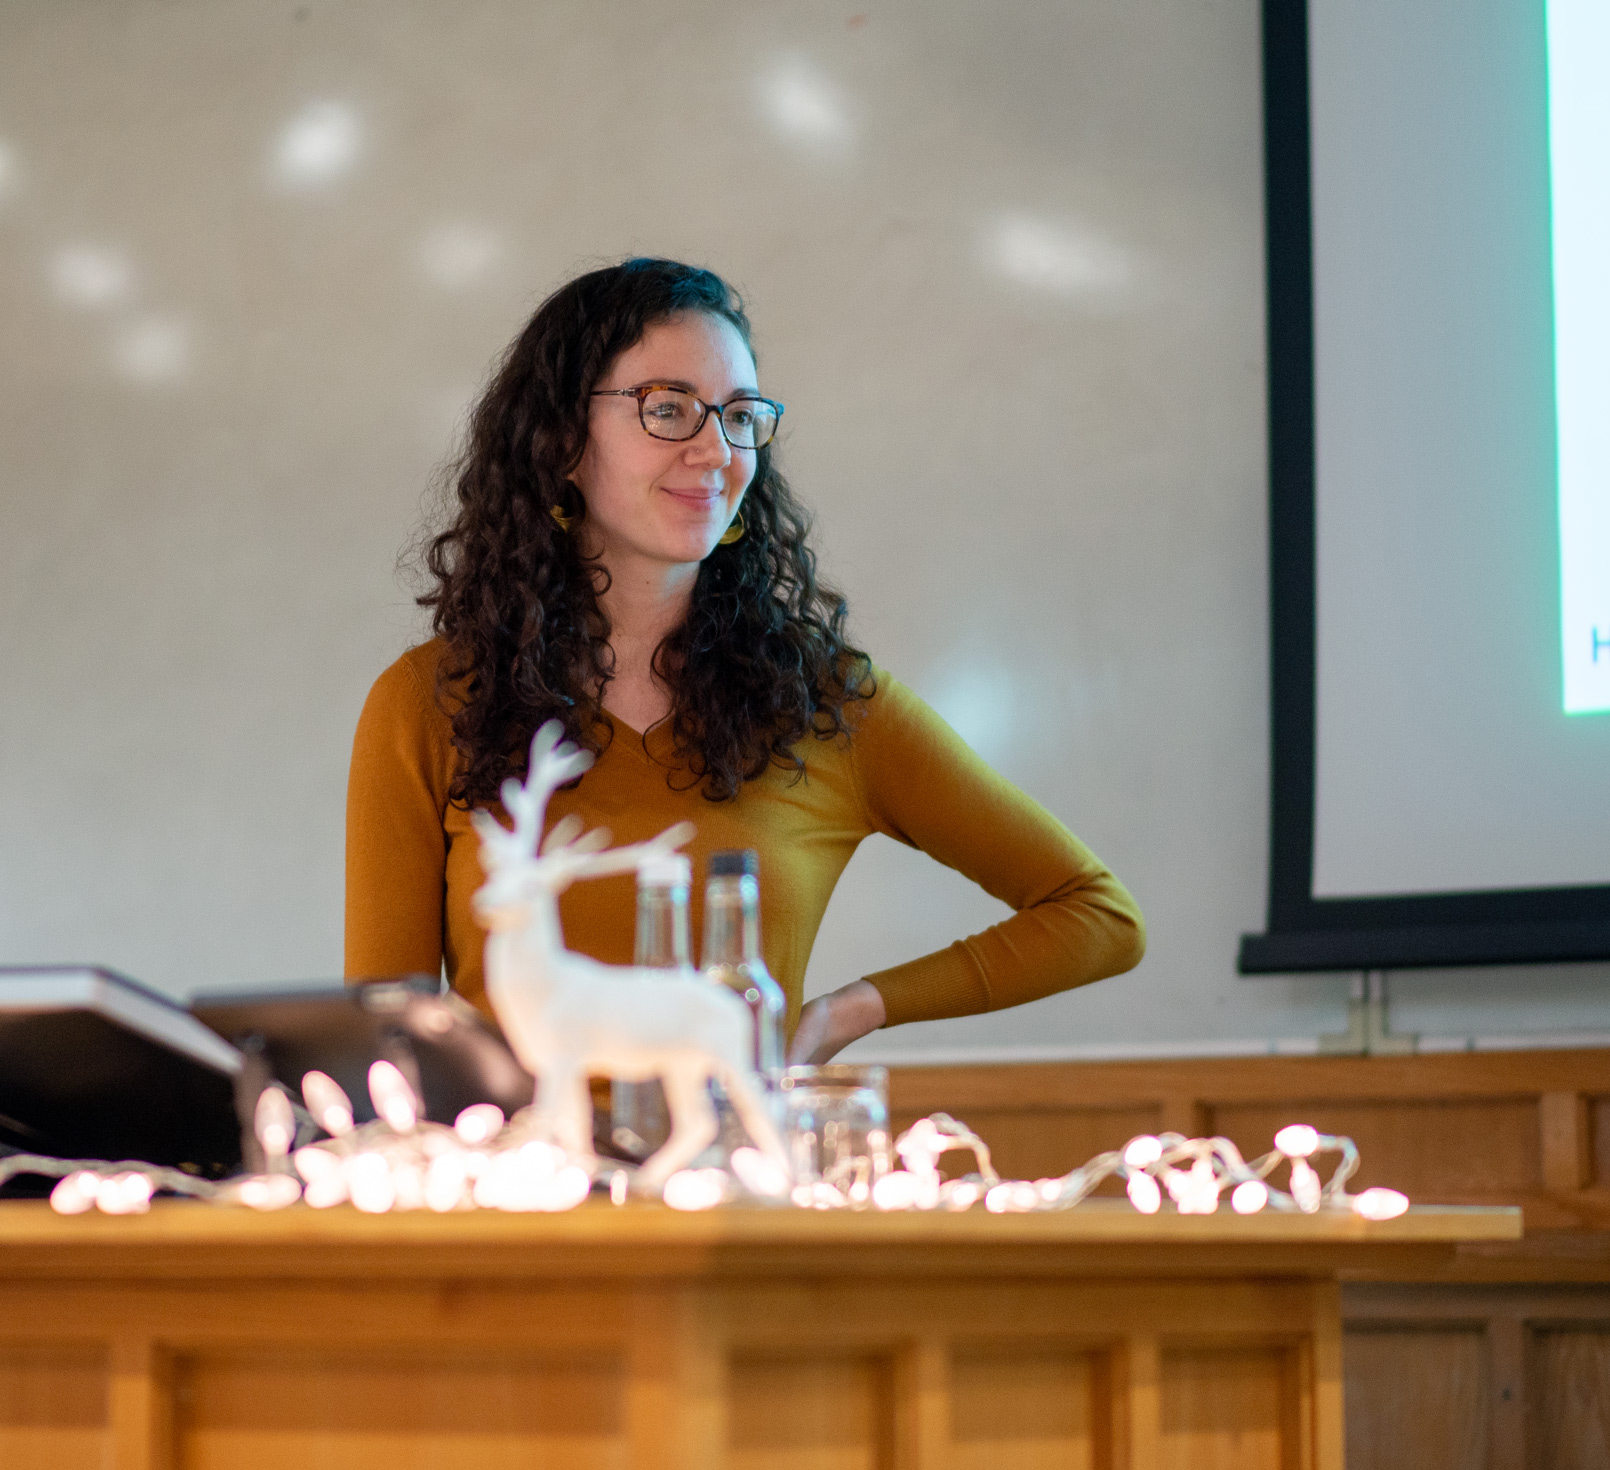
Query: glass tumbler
x,y
836,1122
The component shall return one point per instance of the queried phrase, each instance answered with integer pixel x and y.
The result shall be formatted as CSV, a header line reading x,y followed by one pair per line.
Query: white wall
x,y
1005,263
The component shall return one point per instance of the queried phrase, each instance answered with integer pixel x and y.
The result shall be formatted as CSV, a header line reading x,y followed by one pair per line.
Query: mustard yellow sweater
x,y
412,863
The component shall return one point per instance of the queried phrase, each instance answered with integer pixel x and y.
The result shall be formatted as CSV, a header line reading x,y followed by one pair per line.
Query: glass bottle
x,y
731,955
639,1122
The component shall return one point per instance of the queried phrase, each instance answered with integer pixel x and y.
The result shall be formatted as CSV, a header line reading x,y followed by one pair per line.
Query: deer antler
x,y
590,864
553,762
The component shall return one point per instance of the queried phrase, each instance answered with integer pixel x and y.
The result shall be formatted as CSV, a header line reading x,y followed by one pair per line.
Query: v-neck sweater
x,y
412,862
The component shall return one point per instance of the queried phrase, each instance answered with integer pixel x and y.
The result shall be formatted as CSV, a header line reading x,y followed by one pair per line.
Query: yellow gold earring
x,y
564,522
734,532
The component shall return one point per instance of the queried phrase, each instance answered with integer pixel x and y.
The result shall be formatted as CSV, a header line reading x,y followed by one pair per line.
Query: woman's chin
x,y
693,545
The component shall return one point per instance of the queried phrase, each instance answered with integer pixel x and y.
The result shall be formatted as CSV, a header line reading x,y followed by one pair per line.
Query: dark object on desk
x,y
94,1066
449,1054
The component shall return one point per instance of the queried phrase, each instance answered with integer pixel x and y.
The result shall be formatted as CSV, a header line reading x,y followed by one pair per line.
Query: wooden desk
x,y
640,1338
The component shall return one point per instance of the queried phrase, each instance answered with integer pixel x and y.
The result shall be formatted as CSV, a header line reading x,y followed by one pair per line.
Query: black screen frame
x,y
1511,926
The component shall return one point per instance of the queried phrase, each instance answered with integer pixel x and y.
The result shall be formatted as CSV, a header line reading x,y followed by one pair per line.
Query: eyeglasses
x,y
676,414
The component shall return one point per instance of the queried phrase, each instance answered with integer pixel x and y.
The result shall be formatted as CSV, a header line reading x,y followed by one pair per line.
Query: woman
x,y
626,557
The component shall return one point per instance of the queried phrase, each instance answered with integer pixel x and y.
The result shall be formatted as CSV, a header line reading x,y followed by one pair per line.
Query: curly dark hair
x,y
762,658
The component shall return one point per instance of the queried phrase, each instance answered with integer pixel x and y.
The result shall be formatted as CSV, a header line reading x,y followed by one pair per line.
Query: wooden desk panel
x,y
761,1340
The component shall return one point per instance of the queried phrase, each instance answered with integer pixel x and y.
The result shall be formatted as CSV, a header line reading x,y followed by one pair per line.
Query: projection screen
x,y
1438,176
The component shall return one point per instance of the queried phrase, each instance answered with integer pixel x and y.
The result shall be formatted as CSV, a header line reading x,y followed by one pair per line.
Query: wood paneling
x,y
1524,1128
1026,1408
811,1412
1511,1378
1434,1150
265,1410
1417,1398
53,1405
1568,1397
815,1342
1228,1410
810,1368
1567,1142
1473,1376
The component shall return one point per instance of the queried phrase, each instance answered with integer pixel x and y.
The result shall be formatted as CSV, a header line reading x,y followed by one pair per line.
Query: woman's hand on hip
x,y
831,1022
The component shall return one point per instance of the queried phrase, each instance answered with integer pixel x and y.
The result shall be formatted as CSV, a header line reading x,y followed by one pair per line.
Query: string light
x,y
275,1124
696,1189
393,1097
487,1161
328,1103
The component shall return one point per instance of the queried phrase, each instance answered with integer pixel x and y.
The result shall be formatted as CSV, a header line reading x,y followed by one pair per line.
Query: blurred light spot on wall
x,y
805,106
1061,260
154,350
981,703
458,255
92,275
318,145
10,171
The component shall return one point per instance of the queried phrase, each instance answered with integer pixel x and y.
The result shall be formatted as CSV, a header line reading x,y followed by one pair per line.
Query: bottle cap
x,y
735,862
665,870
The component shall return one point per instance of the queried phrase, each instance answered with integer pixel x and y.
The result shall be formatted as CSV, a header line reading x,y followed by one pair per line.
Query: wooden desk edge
x,y
179,1240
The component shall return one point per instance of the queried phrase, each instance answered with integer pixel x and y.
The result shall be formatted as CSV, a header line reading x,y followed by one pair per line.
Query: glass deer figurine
x,y
568,1016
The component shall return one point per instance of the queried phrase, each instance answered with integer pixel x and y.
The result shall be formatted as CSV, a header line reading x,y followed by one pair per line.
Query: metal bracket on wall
x,y
1368,1033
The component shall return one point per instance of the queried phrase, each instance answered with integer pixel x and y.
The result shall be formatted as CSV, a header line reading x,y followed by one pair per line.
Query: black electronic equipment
x,y
449,1054
95,1066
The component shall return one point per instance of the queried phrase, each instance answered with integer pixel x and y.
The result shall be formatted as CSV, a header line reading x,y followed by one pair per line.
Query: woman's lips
x,y
696,499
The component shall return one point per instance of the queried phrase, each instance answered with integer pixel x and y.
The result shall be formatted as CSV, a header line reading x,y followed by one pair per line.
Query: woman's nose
x,y
709,445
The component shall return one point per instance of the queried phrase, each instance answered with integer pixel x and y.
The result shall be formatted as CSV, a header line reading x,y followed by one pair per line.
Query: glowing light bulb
x,y
479,1123
328,1103
325,1174
1249,1196
1144,1193
1015,1197
322,1193
369,1183
75,1193
392,1096
1305,1186
274,1123
759,1174
617,1187
1142,1152
124,1194
445,1181
820,1195
695,1189
1380,1204
313,1162
963,1194
269,1191
896,1191
1297,1140
1195,1191
572,1184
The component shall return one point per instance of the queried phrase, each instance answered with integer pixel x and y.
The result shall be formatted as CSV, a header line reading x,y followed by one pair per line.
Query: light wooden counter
x,y
640,1337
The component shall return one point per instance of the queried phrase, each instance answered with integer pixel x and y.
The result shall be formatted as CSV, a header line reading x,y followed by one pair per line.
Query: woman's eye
x,y
739,418
664,412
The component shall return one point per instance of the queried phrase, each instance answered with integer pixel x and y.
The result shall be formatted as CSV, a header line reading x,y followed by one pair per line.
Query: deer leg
x,y
567,1115
750,1105
693,1123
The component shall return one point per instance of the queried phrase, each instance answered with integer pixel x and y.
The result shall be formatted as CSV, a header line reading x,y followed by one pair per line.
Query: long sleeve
x,y
922,785
396,843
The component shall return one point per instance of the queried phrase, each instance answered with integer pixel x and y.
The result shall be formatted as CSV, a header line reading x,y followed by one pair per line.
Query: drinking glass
x,y
836,1122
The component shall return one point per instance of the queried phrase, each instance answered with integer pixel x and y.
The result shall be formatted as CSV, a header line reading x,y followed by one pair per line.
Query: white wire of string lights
x,y
401,1161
